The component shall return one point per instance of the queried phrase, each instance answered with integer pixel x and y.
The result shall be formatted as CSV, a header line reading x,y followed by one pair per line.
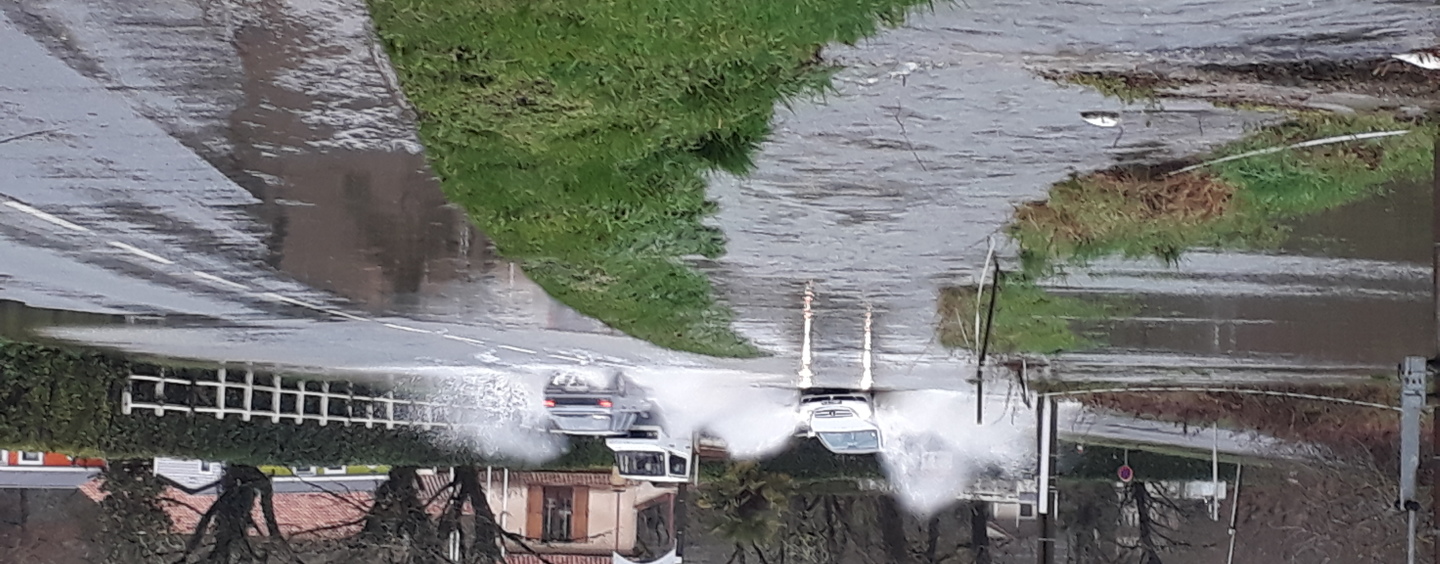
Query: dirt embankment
x,y
1342,86
1354,432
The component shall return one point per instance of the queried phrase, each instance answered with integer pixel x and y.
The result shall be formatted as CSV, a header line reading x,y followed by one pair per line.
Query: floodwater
x,y
246,178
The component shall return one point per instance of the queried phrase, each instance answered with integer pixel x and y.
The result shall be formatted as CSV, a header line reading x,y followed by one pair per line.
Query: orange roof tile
x,y
558,559
564,478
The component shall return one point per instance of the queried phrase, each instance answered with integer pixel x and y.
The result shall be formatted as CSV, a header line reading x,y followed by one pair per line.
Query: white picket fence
x,y
278,398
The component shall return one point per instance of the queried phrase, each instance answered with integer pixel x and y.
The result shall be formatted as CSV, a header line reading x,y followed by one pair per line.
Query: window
x,y
32,458
559,509
333,470
206,468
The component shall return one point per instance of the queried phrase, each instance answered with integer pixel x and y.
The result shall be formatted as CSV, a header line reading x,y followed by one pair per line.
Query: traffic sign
x,y
1126,473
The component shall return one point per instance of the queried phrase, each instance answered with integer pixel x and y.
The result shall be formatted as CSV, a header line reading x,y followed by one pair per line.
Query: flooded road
x,y
881,194
246,178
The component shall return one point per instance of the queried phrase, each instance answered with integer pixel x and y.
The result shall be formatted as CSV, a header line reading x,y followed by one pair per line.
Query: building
x,y
40,470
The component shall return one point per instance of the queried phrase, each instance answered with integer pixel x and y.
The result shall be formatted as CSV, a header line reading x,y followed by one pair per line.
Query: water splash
x,y
934,451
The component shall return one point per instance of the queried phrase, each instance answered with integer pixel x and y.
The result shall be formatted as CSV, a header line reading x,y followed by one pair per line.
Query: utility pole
x,y
1435,276
1048,441
1413,380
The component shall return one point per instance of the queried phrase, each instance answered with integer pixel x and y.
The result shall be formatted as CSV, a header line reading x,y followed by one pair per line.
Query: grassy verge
x,y
1028,319
68,400
578,133
1147,212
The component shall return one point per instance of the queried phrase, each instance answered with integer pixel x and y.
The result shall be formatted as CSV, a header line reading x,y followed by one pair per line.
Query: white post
x,y
125,396
390,410
300,403
160,395
980,291
324,403
249,393
1235,514
504,509
220,393
1215,473
275,396
1047,408
867,377
807,377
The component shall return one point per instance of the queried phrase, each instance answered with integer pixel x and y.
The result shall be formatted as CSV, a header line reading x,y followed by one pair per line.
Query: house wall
x,y
611,515
12,458
188,473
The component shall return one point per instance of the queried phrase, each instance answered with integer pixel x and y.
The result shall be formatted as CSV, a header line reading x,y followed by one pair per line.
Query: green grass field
x,y
578,133
1028,319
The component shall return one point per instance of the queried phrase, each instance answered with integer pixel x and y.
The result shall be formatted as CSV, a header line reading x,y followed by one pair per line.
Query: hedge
x,y
67,400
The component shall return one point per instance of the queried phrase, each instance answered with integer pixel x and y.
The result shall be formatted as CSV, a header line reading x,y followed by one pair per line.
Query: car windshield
x,y
679,466
855,440
633,463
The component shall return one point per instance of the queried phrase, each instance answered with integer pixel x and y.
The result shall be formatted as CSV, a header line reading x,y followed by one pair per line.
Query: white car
x,y
647,453
843,421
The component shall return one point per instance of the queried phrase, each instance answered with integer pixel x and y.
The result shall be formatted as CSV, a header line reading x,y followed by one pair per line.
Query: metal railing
x,y
276,397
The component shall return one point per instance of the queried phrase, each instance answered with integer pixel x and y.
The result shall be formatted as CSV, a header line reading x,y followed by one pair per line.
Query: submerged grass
x,y
578,133
1146,213
1028,319
1128,88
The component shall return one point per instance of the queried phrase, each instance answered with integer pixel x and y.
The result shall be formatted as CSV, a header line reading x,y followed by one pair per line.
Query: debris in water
x,y
1101,119
1104,119
1427,59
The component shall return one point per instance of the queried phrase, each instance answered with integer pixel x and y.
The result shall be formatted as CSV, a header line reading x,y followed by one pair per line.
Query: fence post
x,y
220,385
275,397
300,402
249,393
324,403
390,410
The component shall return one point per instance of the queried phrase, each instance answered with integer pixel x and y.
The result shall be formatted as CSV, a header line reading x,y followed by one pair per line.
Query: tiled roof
x,y
564,479
558,559
322,515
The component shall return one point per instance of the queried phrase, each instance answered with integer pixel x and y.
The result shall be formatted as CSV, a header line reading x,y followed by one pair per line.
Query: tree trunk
x,y
488,534
980,531
892,531
1141,496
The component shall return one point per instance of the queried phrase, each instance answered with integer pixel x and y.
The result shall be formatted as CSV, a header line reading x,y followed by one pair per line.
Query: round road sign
x,y
1126,473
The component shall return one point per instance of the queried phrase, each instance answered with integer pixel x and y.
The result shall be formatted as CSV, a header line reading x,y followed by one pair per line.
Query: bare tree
x,y
133,525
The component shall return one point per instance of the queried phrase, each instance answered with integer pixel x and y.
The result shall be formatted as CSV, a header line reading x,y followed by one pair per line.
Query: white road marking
x,y
141,253
219,280
268,295
404,328
293,301
45,216
349,316
569,358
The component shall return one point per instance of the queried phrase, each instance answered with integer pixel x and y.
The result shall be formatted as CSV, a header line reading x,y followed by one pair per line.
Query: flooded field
x,y
458,281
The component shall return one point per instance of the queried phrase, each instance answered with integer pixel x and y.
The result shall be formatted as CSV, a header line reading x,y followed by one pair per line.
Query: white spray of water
x,y
753,421
934,451
497,412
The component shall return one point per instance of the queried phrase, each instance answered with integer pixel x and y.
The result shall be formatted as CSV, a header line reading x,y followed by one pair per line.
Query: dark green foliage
x,y
55,397
67,400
